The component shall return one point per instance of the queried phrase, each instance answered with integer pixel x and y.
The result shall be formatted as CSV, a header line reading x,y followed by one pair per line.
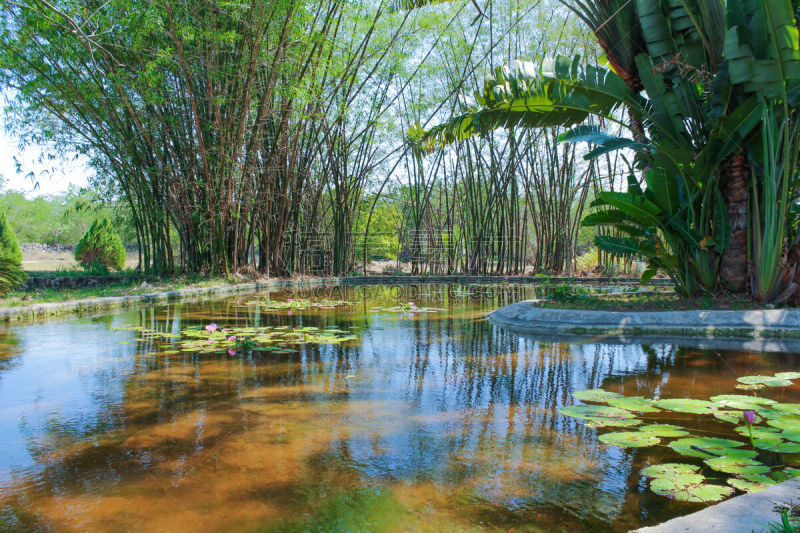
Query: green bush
x,y
11,275
9,247
101,249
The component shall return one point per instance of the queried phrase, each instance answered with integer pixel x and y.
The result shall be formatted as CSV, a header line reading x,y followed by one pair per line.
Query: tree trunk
x,y
733,270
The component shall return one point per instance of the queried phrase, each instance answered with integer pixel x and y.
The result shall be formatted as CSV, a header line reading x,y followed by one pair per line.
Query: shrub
x,y
9,247
101,249
11,275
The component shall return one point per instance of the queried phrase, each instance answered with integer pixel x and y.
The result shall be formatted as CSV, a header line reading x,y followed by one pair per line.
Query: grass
x,y
564,297
124,288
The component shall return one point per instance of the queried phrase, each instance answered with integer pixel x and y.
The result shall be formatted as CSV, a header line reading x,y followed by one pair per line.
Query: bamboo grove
x,y
271,134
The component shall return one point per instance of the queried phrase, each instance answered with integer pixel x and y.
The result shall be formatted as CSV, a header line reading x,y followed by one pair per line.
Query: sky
x,y
53,176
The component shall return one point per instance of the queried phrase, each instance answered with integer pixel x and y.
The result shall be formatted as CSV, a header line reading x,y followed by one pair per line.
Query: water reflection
x,y
435,421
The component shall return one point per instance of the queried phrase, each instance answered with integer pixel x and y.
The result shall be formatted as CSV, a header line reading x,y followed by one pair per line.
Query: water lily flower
x,y
411,304
231,352
232,338
212,327
749,417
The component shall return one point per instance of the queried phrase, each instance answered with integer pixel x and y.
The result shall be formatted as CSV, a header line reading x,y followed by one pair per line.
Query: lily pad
x,y
669,470
634,403
629,439
746,486
754,380
706,447
749,386
788,375
595,395
786,423
759,478
781,447
721,398
612,422
664,430
791,408
686,405
734,417
731,465
594,411
698,493
758,432
792,435
738,401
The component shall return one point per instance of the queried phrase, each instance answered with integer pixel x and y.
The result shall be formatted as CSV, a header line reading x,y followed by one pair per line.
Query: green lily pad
x,y
669,470
788,375
758,432
752,386
768,442
698,493
722,398
792,472
734,417
634,403
629,439
746,486
786,423
594,411
706,447
759,478
664,430
792,435
731,465
791,408
686,405
595,395
754,380
612,422
781,447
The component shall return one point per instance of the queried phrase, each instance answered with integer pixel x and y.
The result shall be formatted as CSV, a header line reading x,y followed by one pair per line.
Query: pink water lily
x,y
749,417
231,352
212,327
232,338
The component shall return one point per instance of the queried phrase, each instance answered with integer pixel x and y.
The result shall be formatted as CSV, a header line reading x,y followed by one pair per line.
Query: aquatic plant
x,y
747,468
297,304
211,338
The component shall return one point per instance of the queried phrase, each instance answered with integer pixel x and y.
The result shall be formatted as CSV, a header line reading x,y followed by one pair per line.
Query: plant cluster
x,y
766,456
101,249
712,94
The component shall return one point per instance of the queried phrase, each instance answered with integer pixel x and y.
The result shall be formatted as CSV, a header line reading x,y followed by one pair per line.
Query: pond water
x,y
414,421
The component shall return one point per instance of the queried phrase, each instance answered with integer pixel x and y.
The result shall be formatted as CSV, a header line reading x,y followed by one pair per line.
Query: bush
x,y
9,247
100,249
11,276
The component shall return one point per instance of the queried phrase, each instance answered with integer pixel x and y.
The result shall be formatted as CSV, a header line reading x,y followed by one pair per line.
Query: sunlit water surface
x,y
427,422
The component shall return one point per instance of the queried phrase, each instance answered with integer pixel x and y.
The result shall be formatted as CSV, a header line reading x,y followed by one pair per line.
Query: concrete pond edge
x,y
92,305
747,513
528,317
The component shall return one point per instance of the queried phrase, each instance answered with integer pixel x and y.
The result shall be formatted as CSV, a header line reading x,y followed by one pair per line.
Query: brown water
x,y
426,422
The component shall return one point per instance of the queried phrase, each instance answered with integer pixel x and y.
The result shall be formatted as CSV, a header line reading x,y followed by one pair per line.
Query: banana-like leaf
x,y
625,247
604,142
762,46
663,191
559,92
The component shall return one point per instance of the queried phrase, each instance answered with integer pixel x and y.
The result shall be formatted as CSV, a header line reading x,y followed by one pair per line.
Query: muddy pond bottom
x,y
383,408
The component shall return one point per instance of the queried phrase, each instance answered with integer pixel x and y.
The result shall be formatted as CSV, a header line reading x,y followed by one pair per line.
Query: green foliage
x,y
101,248
751,466
9,247
60,219
11,276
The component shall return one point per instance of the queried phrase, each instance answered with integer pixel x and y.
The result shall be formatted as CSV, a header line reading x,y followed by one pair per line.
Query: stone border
x,y
743,514
528,318
43,310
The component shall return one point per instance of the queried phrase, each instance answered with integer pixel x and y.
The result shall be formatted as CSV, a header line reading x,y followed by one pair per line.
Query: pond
x,y
364,412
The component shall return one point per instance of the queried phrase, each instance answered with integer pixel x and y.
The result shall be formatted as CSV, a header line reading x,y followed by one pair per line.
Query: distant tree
x,y
9,247
101,248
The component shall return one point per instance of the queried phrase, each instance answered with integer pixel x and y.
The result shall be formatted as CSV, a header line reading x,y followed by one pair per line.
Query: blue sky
x,y
54,176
